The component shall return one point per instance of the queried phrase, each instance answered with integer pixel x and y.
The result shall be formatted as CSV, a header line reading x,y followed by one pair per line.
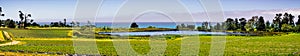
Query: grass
x,y
39,33
235,45
2,38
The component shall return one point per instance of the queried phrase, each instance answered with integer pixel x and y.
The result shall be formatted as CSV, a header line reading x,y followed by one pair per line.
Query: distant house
x,y
185,27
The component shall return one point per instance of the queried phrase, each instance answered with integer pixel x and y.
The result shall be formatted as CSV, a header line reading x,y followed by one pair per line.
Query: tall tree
x,y
65,22
298,22
268,25
1,22
205,26
243,24
261,24
24,17
1,12
21,15
285,19
251,25
230,24
277,22
218,26
291,19
236,23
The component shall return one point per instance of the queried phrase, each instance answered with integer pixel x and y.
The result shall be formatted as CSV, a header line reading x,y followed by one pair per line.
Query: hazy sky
x,y
56,10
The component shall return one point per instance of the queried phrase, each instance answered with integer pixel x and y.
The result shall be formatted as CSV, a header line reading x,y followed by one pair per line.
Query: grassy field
x,y
235,45
39,33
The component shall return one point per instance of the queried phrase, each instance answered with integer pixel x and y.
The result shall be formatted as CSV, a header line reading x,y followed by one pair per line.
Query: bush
x,y
286,28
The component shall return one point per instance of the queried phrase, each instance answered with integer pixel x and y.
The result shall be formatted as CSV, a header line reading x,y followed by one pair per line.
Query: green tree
x,y
25,18
65,22
277,23
9,23
251,24
54,24
236,23
261,24
291,20
268,26
205,26
285,19
35,24
218,26
248,27
298,22
199,28
73,23
151,27
134,25
230,24
243,23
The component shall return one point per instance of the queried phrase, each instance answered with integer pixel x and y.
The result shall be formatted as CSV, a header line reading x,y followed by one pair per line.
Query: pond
x,y
170,33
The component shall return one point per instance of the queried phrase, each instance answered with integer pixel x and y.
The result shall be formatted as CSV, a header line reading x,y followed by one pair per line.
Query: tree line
x,y
281,23
26,22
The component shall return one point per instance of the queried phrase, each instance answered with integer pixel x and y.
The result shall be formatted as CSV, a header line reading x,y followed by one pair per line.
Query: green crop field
x,y
39,33
235,45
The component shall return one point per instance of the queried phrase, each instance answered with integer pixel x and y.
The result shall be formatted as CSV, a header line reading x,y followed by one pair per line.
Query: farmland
x,y
235,45
39,33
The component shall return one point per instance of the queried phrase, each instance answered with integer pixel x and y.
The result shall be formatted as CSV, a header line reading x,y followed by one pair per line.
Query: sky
x,y
57,10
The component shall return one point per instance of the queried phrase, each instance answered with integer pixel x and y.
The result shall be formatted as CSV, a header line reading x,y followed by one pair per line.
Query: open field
x,y
39,33
235,45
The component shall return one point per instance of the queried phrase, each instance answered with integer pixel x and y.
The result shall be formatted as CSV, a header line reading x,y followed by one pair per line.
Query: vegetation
x,y
134,25
235,45
26,21
59,41
39,33
281,23
5,37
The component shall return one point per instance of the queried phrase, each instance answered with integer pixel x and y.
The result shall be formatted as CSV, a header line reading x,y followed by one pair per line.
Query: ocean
x,y
141,24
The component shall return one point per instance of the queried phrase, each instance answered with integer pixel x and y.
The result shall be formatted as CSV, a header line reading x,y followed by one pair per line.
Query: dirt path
x,y
10,43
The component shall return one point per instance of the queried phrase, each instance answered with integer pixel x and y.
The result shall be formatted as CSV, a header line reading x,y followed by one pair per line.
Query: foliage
x,y
235,45
218,27
243,24
286,27
230,25
261,24
151,27
298,22
280,24
134,25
